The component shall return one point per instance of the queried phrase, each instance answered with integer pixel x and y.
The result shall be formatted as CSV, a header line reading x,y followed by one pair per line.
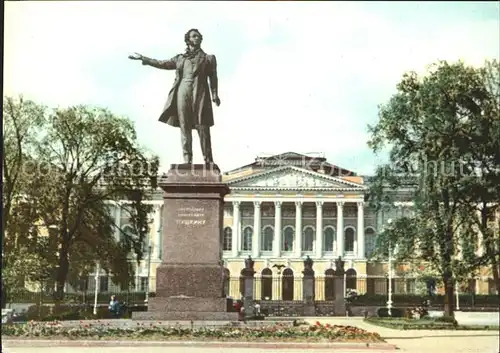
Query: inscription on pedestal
x,y
191,217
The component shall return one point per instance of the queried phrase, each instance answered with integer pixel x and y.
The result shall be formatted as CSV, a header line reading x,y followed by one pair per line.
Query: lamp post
x,y
389,301
389,294
96,293
456,293
146,300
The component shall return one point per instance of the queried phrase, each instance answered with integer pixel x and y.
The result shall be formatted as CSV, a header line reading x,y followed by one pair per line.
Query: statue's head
x,y
193,38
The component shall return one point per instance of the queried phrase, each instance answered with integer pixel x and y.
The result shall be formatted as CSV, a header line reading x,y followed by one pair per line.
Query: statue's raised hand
x,y
135,56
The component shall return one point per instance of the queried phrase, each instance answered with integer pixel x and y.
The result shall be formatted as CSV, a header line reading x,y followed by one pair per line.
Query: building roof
x,y
311,161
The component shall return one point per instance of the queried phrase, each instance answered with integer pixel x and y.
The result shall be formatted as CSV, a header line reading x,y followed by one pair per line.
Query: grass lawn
x,y
424,324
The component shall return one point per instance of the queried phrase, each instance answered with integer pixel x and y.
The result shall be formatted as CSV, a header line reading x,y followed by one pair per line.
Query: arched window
x,y
267,238
227,240
288,238
308,243
127,231
328,238
351,282
267,284
287,283
370,238
329,284
247,239
349,239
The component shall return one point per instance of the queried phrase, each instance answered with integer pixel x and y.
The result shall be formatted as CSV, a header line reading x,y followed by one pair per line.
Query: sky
x,y
303,76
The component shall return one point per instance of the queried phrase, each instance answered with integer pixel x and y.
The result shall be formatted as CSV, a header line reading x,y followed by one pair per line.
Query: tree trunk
x,y
449,294
496,279
62,274
4,295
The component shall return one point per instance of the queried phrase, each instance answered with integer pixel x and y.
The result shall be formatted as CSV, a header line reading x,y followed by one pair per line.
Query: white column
x,y
256,229
319,229
277,229
118,215
379,220
236,228
361,230
298,228
340,229
158,233
480,239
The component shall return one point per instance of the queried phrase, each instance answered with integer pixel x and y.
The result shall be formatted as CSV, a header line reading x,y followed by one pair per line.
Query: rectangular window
x,y
143,284
103,283
227,239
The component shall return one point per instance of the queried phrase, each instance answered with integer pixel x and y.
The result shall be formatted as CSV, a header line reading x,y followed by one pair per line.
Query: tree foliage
x,y
434,124
83,159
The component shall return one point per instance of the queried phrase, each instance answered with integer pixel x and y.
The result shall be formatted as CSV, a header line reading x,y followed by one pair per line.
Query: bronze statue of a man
x,y
188,105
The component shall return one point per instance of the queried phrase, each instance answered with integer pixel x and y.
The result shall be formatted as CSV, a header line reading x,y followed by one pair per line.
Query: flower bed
x,y
309,333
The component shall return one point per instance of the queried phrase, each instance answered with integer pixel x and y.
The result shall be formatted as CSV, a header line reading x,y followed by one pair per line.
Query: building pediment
x,y
291,177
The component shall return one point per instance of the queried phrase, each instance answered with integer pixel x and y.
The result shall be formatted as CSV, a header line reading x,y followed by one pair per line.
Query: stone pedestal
x,y
248,278
190,279
339,288
308,286
339,304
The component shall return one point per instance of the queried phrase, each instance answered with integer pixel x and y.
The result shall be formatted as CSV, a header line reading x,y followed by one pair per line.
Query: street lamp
x,y
146,300
96,292
389,296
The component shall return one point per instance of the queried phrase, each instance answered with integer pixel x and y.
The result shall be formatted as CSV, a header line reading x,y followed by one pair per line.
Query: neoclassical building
x,y
283,208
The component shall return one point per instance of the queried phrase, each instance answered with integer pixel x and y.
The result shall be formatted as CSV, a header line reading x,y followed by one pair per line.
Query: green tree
x,y
482,154
85,158
94,158
425,124
23,121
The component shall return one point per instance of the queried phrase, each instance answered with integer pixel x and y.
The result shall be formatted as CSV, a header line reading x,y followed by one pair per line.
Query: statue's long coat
x,y
205,69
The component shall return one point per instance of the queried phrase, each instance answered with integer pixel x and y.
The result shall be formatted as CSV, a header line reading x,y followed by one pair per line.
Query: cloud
x,y
293,76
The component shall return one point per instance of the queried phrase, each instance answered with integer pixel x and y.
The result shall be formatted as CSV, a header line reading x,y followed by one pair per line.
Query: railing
x,y
282,295
290,288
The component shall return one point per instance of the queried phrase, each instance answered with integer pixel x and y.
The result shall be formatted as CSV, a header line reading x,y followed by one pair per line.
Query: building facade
x,y
286,207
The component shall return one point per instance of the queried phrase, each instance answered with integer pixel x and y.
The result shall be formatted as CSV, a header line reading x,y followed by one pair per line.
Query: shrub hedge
x,y
72,312
409,299
25,296
442,323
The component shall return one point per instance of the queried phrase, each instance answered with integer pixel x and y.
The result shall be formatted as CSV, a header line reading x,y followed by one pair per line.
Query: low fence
x,y
278,296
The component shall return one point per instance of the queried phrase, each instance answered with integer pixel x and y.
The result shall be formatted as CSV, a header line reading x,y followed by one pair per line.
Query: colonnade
x,y
297,251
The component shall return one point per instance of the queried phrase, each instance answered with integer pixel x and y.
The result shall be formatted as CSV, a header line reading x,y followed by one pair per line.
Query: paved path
x,y
171,350
427,341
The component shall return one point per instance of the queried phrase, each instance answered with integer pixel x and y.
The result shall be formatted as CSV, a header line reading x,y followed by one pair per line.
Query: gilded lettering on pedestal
x,y
190,216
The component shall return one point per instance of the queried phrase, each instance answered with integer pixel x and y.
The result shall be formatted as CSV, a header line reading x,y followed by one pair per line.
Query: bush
x,y
413,300
23,295
75,312
395,312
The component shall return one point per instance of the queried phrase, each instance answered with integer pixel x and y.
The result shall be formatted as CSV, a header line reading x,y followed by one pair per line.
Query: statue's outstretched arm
x,y
160,64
